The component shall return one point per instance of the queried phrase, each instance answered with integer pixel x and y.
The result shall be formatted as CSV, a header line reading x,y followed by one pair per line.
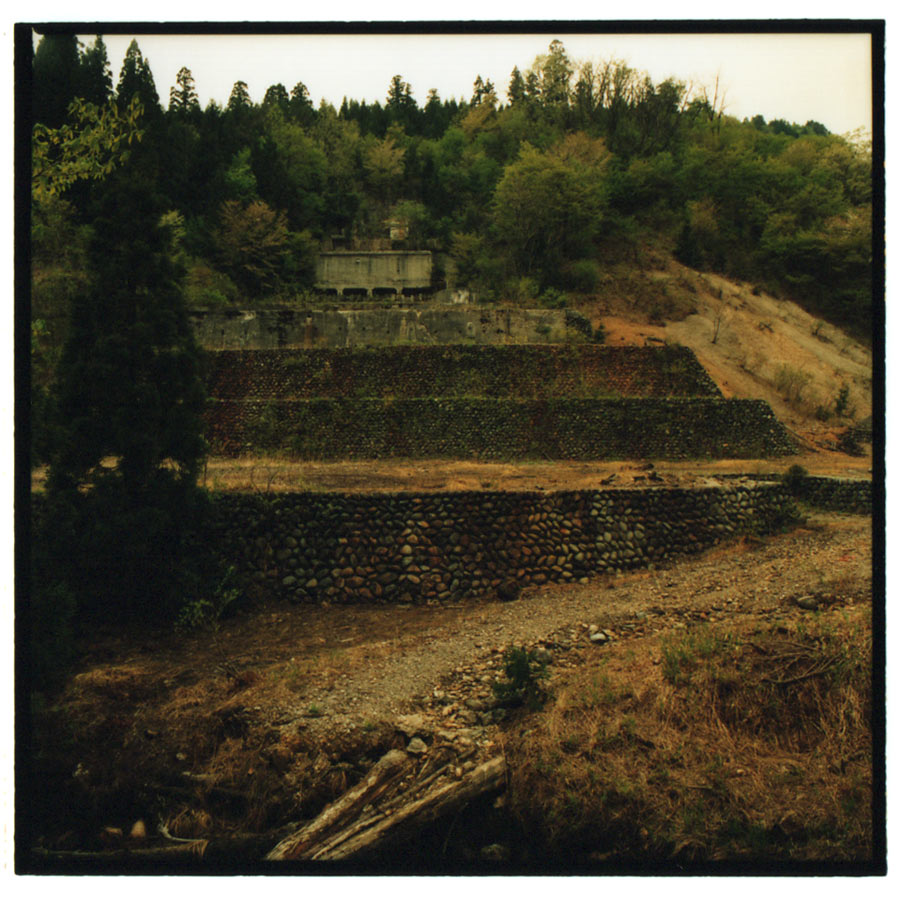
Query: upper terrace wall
x,y
580,370
274,329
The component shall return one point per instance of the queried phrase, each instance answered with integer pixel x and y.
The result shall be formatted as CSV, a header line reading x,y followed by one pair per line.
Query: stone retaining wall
x,y
446,546
272,329
834,494
582,370
849,495
494,428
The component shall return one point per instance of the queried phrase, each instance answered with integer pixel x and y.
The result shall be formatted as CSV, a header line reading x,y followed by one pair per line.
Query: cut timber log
x,y
407,817
382,776
489,777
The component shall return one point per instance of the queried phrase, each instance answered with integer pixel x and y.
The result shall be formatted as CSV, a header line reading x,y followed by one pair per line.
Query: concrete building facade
x,y
374,271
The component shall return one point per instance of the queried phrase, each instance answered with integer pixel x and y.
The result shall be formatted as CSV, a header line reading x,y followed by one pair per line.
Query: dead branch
x,y
440,801
382,776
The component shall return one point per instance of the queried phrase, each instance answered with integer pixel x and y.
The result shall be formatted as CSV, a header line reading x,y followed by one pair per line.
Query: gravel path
x,y
458,652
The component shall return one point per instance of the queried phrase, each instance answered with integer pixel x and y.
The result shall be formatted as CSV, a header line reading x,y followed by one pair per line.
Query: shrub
x,y
552,298
205,287
791,382
524,673
794,479
206,611
842,401
583,275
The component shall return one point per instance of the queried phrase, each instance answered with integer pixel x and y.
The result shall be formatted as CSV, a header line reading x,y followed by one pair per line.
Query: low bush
x,y
525,671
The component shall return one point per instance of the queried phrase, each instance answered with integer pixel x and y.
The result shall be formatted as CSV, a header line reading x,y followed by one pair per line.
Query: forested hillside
x,y
528,192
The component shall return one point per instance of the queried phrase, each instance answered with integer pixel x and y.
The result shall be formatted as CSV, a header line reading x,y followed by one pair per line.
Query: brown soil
x,y
288,705
266,474
742,336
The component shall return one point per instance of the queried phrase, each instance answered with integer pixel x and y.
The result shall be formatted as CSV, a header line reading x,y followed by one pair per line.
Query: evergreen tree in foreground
x,y
122,484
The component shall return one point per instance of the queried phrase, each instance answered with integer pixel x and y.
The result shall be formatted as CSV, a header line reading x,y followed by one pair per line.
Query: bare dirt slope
x,y
746,339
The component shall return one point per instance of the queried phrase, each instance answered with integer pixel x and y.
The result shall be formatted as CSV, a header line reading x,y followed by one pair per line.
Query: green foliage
x,y
525,671
207,288
552,298
205,612
548,205
127,438
136,84
794,479
791,382
252,242
583,275
842,402
683,656
91,148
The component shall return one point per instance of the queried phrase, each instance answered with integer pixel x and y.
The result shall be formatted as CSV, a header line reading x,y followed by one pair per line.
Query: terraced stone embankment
x,y
419,548
499,429
521,371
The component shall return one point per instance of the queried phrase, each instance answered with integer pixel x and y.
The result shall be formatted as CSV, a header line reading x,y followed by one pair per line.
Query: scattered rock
x,y
139,831
111,836
412,725
417,747
495,853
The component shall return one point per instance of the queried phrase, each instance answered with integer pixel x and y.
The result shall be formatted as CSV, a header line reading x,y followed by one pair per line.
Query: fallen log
x,y
217,850
410,816
382,776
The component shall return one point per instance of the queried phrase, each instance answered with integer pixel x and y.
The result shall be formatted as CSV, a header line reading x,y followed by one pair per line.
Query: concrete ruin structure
x,y
374,271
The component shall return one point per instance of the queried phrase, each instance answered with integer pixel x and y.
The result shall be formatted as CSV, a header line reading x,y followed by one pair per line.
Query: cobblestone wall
x,y
347,548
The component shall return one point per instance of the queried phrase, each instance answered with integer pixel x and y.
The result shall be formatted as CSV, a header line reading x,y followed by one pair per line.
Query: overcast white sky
x,y
792,76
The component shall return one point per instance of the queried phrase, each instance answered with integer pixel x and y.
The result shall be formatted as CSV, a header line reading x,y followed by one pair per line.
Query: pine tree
x,y
277,96
128,439
516,90
135,77
301,107
240,97
183,98
95,76
129,376
478,92
56,78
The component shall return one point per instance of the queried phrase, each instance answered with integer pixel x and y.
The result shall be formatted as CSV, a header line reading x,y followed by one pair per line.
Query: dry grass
x,y
709,745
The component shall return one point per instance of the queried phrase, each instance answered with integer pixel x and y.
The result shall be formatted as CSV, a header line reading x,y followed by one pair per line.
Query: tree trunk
x,y
383,775
405,819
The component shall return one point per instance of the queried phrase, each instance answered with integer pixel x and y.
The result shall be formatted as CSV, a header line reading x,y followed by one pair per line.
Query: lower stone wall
x,y
494,428
849,495
836,495
416,548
